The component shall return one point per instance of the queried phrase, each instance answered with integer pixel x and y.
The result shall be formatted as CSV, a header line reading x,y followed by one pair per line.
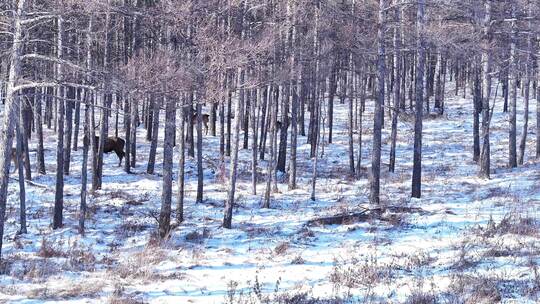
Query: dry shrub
x,y
298,260
50,250
72,290
119,296
281,248
469,289
418,259
38,270
81,258
512,223
140,265
421,298
359,274
131,227
254,293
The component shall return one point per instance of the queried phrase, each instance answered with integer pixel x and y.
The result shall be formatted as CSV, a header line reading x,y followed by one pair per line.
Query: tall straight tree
x,y
378,114
227,217
420,44
61,95
6,140
485,159
512,155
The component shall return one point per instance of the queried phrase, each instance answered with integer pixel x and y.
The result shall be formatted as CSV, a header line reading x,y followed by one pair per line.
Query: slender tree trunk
x,y
222,129
84,166
377,120
282,153
229,117
190,123
417,158
512,155
351,118
257,97
181,162
107,101
477,100
265,122
528,63
6,138
295,87
68,130
397,90
22,191
155,133
272,114
486,87
127,126
331,95
59,194
227,217
133,138
166,194
200,177
39,130
77,121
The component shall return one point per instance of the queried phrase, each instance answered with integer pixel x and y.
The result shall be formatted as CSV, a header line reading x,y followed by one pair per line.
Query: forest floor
x,y
467,240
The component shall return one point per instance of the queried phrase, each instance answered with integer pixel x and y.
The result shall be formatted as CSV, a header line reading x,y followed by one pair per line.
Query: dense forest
x,y
263,98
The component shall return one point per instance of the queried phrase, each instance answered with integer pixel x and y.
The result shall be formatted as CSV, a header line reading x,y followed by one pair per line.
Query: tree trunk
x,y
61,94
295,87
22,191
166,194
200,177
417,158
378,114
227,217
68,130
127,127
397,91
84,166
486,87
181,161
6,138
39,130
155,134
282,155
77,121
257,97
477,100
272,114
512,155
133,138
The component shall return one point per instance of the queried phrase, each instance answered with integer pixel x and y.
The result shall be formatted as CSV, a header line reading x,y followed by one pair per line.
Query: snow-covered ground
x,y
468,240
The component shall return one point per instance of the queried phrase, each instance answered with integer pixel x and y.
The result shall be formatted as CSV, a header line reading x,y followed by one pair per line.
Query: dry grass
x,y
119,296
512,223
50,250
141,264
84,289
365,274
469,289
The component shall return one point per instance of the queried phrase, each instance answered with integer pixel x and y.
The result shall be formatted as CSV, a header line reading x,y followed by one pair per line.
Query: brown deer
x,y
112,144
205,119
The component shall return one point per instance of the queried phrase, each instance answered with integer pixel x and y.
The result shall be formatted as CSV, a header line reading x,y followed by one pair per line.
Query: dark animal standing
x,y
14,159
112,143
205,119
279,124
